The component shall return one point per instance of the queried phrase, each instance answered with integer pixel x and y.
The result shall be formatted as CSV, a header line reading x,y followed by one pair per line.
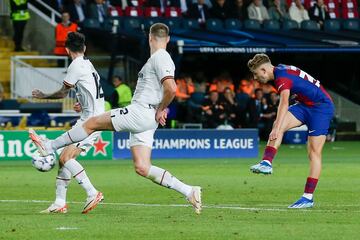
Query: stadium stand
x,y
332,25
190,24
309,25
272,25
152,12
133,11
252,24
351,25
233,24
231,36
290,24
349,9
214,24
172,12
333,7
173,23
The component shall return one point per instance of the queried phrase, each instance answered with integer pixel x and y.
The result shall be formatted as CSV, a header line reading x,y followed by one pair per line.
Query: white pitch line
x,y
67,228
231,207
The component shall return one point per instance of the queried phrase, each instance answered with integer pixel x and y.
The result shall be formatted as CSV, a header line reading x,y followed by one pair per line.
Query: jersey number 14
x,y
99,91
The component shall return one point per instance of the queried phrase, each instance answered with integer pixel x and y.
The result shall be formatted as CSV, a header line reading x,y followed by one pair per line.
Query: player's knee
x,y
314,153
68,154
142,169
91,124
63,159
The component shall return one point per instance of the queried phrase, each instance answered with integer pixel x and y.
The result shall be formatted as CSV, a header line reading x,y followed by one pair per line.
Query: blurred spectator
x,y
221,9
58,5
239,10
122,95
256,107
268,88
19,16
214,112
124,3
119,3
184,6
1,92
297,12
230,108
185,88
208,3
257,11
195,102
268,116
278,11
319,13
330,137
199,11
162,4
61,31
221,82
98,10
246,87
77,11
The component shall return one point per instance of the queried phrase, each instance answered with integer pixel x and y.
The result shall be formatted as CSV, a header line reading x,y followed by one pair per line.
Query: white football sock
x,y
164,178
74,135
78,172
62,182
308,196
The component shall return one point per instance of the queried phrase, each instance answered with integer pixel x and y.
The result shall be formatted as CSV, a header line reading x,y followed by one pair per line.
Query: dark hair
x,y
258,90
75,42
118,77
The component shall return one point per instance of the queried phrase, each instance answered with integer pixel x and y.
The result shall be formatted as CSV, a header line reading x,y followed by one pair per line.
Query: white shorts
x,y
88,142
139,120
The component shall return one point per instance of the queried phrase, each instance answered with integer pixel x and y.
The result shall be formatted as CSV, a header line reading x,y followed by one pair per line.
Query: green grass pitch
x,y
238,204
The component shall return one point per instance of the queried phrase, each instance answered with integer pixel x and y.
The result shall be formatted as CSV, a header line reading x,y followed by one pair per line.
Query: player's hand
x,y
36,93
161,117
274,134
77,107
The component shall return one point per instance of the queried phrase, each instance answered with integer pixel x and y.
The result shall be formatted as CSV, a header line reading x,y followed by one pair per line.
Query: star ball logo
x,y
100,146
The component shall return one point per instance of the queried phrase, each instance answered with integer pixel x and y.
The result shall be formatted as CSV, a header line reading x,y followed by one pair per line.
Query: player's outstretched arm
x,y
282,110
169,86
61,93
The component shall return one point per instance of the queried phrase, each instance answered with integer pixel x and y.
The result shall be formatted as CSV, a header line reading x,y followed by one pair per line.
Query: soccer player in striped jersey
x,y
314,108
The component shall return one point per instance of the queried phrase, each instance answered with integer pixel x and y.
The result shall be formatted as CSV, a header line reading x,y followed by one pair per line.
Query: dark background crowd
x,y
280,10
222,104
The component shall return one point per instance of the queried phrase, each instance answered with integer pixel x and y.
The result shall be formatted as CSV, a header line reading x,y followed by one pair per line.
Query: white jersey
x,y
82,76
158,68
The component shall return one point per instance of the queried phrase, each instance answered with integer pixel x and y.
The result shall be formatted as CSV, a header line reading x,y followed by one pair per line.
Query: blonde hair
x,y
159,30
257,61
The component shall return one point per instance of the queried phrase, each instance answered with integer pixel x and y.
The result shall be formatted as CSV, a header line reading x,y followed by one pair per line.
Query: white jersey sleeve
x,y
164,66
83,77
73,74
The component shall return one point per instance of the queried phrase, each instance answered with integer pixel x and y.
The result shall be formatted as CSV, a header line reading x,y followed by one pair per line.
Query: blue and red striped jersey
x,y
308,90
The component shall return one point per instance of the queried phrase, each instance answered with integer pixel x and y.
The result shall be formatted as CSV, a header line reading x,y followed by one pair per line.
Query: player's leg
x,y
315,146
68,159
318,124
63,179
265,166
78,133
142,161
